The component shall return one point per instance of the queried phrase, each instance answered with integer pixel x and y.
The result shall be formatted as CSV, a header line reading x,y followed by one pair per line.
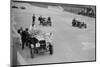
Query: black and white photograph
x,y
51,33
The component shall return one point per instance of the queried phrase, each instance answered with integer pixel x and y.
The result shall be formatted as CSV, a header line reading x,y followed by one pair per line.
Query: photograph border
x,y
58,62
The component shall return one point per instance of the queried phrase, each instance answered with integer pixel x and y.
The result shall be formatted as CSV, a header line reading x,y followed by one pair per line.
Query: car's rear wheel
x,y
32,53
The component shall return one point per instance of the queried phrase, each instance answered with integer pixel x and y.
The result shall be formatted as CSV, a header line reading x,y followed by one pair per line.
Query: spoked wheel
x,y
74,24
50,49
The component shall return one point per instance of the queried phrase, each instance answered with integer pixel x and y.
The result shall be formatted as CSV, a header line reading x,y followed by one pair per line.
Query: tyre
x,y
74,24
32,52
50,49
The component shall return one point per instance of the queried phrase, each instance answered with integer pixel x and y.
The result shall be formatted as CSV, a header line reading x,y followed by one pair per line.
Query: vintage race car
x,y
76,23
41,46
45,22
87,12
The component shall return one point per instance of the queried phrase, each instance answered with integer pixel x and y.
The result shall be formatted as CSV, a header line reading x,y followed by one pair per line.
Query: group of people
x,y
27,37
24,34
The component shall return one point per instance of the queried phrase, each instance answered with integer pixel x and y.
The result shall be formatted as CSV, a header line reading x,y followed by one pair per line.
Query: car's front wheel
x,y
32,53
50,49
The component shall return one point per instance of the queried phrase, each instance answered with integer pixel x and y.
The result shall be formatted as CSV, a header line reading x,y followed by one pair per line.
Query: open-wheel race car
x,y
38,44
41,47
87,12
76,23
45,21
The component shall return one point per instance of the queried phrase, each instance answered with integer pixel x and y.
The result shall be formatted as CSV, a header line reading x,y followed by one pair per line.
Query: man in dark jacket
x,y
23,39
27,36
33,19
40,19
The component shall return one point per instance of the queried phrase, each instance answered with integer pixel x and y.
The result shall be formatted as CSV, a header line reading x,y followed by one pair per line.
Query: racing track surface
x,y
70,43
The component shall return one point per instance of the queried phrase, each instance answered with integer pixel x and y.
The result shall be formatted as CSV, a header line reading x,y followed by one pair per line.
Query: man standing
x,y
49,21
33,19
23,39
19,31
27,36
40,19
